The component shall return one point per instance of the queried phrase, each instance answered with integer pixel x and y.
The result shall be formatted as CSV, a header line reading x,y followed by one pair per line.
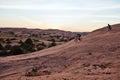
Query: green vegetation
x,y
2,40
40,48
8,41
8,47
43,44
16,50
1,47
29,41
14,43
28,46
52,44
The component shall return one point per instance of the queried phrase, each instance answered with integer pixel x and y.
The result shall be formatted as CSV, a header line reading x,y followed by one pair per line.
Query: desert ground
x,y
95,57
14,41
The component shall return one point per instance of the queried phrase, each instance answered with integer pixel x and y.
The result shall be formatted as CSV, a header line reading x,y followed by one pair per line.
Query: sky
x,y
70,15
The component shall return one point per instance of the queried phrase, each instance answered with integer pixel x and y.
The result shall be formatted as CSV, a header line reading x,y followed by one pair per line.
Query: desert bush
x,y
34,35
63,39
10,32
3,53
65,79
20,42
27,47
1,47
43,44
53,40
32,72
102,65
71,38
8,47
89,53
2,40
40,48
35,72
52,44
86,65
29,41
35,40
8,41
16,50
58,36
13,39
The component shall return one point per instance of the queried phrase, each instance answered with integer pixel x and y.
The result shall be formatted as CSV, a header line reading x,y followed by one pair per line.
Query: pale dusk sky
x,y
70,15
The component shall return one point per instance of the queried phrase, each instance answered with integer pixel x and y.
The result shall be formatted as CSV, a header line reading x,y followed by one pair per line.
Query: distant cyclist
x,y
78,37
109,27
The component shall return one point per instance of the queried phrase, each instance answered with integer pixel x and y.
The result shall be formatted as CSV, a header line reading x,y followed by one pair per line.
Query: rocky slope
x,y
95,57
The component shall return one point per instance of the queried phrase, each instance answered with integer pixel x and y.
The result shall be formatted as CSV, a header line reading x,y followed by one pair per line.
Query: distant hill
x,y
25,31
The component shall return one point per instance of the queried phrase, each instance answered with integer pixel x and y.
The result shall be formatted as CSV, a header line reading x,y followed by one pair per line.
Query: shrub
x,y
29,41
58,36
89,53
10,32
1,47
35,40
36,72
3,53
32,72
34,35
52,44
20,42
40,48
8,47
2,40
53,40
16,50
63,39
71,38
43,44
8,41
27,47
13,39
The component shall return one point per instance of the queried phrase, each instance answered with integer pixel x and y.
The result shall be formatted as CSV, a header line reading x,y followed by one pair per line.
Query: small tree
x,y
28,45
29,41
52,44
16,50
